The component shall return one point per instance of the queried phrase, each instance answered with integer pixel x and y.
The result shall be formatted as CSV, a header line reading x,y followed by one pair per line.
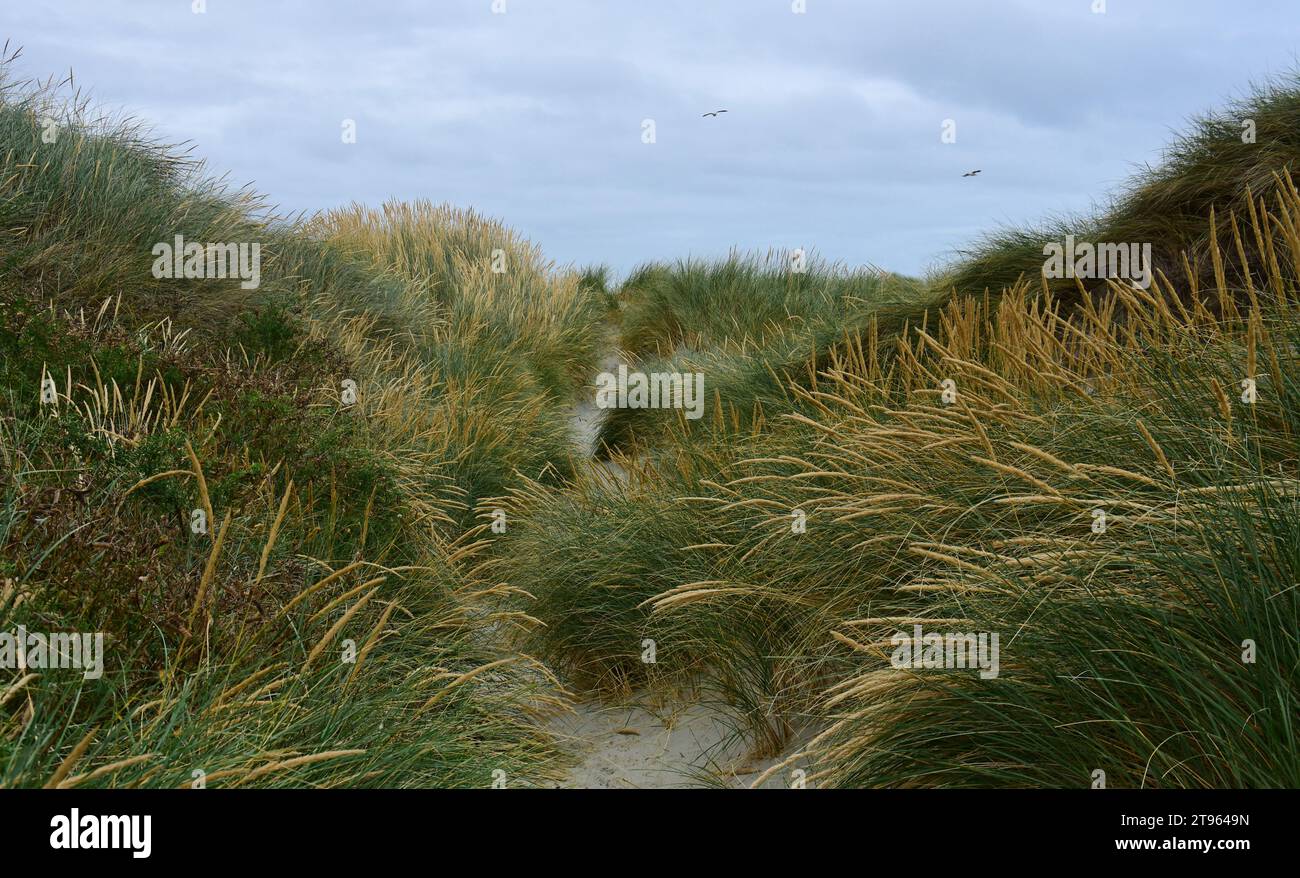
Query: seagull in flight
x,y
714,113
971,174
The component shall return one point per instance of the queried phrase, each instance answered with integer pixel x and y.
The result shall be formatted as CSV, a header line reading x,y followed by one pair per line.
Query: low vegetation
x,y
272,566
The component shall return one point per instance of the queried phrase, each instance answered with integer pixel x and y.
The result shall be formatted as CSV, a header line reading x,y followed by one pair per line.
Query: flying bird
x,y
971,174
714,113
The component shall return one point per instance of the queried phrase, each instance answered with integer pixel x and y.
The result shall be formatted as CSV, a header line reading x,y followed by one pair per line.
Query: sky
x,y
539,112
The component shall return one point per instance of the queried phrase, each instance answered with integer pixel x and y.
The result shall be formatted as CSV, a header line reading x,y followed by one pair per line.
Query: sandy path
x,y
638,744
586,419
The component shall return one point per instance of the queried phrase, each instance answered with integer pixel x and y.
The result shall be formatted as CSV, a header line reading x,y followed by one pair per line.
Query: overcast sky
x,y
536,116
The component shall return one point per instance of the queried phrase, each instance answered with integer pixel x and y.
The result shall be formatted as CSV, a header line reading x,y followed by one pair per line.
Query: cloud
x,y
536,115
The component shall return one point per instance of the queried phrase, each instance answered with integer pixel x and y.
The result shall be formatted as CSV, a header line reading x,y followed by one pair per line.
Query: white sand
x,y
637,745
